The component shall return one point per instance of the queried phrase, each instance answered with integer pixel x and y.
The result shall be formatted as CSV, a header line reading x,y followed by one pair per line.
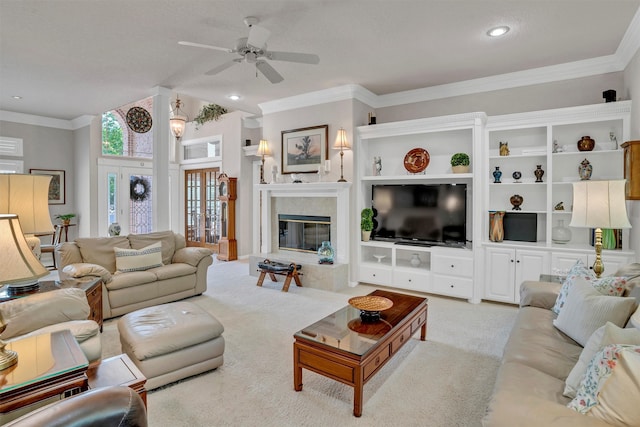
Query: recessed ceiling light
x,y
16,97
498,31
234,97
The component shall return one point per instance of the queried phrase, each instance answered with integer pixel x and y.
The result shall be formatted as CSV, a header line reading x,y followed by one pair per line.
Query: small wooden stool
x,y
280,269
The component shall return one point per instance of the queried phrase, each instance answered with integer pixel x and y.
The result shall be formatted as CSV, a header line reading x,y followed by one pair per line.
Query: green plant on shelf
x,y
366,219
460,159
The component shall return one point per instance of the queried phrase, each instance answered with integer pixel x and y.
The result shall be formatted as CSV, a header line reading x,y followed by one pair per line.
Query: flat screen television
x,y
428,214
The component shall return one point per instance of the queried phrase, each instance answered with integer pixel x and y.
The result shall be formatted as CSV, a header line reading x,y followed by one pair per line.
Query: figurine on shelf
x,y
614,140
559,207
504,148
377,166
556,147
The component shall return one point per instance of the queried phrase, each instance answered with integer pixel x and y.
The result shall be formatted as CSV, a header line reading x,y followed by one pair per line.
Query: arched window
x,y
128,130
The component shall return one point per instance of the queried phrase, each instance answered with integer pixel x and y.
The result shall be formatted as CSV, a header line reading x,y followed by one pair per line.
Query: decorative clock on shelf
x,y
227,187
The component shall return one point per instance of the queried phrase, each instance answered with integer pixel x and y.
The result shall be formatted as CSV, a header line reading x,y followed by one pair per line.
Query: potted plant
x,y
366,223
65,218
460,163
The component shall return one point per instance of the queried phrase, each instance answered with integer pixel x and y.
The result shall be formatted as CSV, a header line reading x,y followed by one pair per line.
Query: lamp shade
x,y
19,264
341,141
599,204
263,148
28,197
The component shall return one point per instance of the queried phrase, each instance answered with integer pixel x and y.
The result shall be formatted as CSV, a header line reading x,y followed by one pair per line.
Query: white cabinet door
x,y
529,266
499,274
561,262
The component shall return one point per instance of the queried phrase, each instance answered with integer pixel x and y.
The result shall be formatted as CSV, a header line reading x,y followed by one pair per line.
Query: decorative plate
x,y
416,160
371,303
139,120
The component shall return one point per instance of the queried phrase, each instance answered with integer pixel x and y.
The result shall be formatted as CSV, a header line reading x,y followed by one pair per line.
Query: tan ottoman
x,y
172,341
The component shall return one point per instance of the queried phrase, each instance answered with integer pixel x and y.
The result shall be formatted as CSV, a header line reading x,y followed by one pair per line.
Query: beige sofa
x,y
538,359
182,273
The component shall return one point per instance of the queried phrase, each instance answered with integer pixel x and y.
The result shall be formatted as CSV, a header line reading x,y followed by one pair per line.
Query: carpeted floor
x,y
445,381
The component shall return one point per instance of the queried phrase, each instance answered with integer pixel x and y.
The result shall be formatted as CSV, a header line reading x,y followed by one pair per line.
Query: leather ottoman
x,y
173,341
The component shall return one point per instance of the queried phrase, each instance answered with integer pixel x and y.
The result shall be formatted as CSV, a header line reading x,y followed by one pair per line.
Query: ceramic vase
x,y
326,253
496,227
415,260
560,233
539,172
516,200
114,229
586,143
585,170
497,174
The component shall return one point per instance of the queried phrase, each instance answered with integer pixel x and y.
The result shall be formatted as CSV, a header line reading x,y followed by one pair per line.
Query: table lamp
x,y
341,144
21,269
263,150
599,204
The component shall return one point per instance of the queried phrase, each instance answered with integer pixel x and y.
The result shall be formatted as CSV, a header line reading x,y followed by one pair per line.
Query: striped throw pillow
x,y
138,259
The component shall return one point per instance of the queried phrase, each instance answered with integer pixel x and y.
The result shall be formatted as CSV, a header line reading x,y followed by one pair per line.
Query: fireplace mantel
x,y
337,190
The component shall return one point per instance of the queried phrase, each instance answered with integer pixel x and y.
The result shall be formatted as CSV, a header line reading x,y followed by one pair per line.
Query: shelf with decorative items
x,y
437,150
569,145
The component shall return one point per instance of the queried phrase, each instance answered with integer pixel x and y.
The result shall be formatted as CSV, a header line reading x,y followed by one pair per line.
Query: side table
x,y
118,370
49,366
92,287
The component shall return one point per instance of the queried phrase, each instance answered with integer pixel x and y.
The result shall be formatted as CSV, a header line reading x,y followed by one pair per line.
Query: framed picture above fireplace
x,y
304,149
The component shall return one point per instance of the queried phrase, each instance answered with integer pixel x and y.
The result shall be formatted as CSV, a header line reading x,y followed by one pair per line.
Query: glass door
x,y
202,208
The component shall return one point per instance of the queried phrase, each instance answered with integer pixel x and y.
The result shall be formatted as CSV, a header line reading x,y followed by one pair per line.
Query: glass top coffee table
x,y
345,348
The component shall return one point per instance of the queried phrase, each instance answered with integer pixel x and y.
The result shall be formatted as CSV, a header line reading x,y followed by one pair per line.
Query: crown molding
x,y
630,42
30,119
340,93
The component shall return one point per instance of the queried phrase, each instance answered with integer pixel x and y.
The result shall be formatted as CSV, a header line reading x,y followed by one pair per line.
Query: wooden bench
x,y
281,269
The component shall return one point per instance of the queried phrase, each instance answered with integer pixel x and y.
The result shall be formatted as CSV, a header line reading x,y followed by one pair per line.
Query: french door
x,y
202,208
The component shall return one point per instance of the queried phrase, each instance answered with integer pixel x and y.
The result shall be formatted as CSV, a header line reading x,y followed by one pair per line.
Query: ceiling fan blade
x,y
258,36
269,72
303,58
206,46
223,67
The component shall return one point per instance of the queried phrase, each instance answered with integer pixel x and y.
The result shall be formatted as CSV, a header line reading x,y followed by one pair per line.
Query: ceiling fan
x,y
253,50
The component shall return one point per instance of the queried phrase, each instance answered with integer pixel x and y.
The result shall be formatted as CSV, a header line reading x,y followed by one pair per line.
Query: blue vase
x,y
325,253
497,174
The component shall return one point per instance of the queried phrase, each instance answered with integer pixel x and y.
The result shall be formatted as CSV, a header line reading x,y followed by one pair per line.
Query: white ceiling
x,y
69,58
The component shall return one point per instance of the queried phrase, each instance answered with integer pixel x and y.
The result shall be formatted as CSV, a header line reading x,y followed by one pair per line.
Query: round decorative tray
x,y
139,120
416,160
371,303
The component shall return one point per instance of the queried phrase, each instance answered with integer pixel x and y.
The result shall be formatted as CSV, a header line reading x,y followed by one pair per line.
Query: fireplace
x,y
303,233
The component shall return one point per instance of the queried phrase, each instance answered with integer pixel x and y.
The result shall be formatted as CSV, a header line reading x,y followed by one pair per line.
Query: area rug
x,y
444,381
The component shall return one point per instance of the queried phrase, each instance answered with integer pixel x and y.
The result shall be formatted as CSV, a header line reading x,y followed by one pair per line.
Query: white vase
x,y
114,229
415,260
560,233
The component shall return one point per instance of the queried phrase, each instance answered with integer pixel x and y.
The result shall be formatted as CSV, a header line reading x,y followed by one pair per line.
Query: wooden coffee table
x,y
345,349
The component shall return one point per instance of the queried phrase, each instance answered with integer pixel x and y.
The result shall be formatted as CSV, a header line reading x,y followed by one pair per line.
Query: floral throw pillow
x,y
610,285
609,388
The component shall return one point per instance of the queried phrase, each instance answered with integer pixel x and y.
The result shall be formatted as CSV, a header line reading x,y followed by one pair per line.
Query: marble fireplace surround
x,y
316,198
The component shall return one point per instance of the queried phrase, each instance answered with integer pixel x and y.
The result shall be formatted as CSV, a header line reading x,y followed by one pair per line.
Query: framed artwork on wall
x,y
304,149
57,187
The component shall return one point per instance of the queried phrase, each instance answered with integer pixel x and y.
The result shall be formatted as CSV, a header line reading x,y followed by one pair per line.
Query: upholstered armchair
x,y
53,311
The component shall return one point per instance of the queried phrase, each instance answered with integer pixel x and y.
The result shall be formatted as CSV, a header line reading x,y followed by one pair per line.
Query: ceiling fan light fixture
x,y
498,31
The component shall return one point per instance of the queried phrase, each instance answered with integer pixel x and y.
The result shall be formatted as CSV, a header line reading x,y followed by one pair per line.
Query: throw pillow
x,y
610,285
139,259
609,390
586,310
607,334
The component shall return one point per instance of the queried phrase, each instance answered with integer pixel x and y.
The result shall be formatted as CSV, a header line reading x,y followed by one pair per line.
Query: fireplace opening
x,y
303,233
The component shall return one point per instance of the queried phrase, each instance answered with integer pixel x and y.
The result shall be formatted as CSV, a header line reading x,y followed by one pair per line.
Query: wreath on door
x,y
139,188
